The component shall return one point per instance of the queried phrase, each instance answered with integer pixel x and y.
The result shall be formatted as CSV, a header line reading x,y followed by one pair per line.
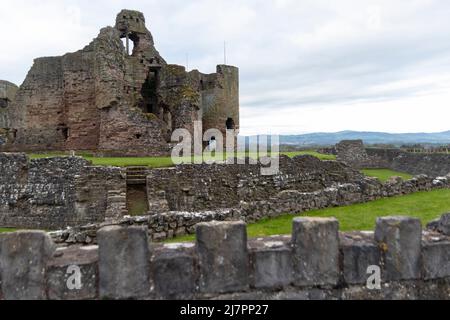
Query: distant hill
x,y
327,139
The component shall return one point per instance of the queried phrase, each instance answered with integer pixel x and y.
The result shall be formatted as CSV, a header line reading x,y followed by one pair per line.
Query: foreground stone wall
x,y
356,155
316,262
53,193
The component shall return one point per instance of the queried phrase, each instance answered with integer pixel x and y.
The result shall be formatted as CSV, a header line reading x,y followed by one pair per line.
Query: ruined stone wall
x,y
209,187
356,155
54,193
353,153
38,110
316,262
171,224
129,132
434,164
8,92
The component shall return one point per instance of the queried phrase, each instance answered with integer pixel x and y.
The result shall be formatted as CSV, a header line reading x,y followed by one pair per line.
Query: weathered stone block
x,y
23,260
124,262
73,274
436,260
223,257
271,265
315,251
444,224
357,255
400,242
173,272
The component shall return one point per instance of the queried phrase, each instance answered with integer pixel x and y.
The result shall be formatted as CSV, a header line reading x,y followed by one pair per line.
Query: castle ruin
x,y
117,96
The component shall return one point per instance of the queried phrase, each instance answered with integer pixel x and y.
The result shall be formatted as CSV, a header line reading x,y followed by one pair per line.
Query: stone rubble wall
x,y
433,164
54,193
368,189
316,262
8,92
354,154
171,224
209,187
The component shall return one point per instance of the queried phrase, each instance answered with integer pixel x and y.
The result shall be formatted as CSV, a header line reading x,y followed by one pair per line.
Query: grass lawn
x,y
154,162
4,230
424,205
311,153
385,174
161,162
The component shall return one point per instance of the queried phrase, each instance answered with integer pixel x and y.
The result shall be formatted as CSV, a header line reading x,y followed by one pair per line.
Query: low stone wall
x,y
160,226
171,224
354,154
316,262
369,189
212,187
53,193
432,164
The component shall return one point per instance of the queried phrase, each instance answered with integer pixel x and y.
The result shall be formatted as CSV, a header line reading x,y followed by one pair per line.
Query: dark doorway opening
x,y
230,124
3,103
137,201
65,133
149,93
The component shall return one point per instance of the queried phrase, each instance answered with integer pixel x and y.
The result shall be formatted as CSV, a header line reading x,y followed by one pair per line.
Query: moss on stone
x,y
151,116
189,93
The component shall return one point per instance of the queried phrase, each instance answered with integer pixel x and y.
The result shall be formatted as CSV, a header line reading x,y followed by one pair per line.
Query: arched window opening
x,y
3,102
149,93
212,146
230,124
130,42
65,133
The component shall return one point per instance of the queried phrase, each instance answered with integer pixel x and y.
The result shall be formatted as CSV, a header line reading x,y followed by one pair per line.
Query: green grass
x,y
154,162
5,230
311,153
385,174
139,208
424,205
161,162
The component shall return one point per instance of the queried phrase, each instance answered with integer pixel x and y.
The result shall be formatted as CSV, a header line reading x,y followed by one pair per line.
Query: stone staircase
x,y
137,175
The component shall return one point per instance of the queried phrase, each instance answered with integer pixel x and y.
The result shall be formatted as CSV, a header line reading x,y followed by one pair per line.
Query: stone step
x,y
137,169
136,181
117,199
136,175
112,193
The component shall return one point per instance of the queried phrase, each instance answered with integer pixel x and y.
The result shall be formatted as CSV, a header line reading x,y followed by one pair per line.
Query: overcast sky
x,y
305,65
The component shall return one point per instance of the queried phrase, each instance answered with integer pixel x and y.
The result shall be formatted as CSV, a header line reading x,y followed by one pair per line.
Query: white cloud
x,y
310,65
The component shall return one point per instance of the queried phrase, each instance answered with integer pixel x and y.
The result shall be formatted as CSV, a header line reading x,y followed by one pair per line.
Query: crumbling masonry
x,y
112,99
316,262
